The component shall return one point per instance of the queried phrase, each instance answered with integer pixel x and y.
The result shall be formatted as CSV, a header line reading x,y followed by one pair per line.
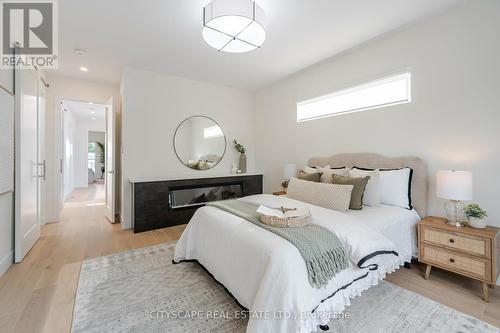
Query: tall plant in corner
x,y
243,157
102,157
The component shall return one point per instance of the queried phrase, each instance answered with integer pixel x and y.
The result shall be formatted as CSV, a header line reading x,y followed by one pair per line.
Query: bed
x,y
266,274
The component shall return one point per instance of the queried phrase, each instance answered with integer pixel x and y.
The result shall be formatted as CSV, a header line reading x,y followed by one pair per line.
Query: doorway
x,y
84,164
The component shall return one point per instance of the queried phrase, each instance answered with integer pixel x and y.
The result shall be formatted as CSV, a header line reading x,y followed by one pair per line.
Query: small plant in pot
x,y
285,185
476,216
243,157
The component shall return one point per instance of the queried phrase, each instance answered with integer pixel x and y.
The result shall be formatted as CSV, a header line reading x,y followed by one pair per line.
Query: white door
x,y
27,224
110,162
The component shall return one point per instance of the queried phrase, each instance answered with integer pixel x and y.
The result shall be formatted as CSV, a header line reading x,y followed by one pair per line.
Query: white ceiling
x,y
86,111
165,36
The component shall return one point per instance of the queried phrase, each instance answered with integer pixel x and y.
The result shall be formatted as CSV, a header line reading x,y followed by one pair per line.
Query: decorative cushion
x,y
312,177
372,190
327,173
395,186
359,185
309,170
336,197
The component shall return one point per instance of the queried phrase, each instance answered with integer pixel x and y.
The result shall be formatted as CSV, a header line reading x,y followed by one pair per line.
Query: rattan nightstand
x,y
463,250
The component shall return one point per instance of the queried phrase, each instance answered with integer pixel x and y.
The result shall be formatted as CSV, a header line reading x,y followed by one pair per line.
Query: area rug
x,y
142,291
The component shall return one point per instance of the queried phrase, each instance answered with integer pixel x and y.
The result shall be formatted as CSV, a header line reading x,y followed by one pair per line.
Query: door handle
x,y
111,172
44,175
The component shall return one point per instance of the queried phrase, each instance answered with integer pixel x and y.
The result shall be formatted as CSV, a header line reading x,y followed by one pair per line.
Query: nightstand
x,y
279,193
462,250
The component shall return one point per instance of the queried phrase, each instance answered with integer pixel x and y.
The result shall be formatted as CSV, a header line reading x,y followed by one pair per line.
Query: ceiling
x,y
165,36
86,111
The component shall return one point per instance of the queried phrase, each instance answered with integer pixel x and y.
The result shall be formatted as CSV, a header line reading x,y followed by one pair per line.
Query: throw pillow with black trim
x,y
359,185
327,172
312,177
395,186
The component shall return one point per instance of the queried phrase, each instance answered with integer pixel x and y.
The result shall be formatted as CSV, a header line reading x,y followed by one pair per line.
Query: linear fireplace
x,y
198,196
160,203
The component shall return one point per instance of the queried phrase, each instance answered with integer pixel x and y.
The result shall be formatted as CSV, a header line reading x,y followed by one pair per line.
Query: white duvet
x,y
267,274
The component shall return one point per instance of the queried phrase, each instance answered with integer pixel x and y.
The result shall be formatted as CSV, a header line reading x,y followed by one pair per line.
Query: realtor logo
x,y
29,34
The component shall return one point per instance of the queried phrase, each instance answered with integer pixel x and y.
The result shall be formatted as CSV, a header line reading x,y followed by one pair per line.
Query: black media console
x,y
165,203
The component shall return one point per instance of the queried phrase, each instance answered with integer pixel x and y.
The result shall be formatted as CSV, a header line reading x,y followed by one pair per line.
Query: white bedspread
x,y
267,274
396,223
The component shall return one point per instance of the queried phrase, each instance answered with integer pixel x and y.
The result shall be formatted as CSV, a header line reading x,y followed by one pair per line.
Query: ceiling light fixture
x,y
84,69
233,26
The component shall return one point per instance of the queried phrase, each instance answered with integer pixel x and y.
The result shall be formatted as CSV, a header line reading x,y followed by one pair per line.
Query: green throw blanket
x,y
322,250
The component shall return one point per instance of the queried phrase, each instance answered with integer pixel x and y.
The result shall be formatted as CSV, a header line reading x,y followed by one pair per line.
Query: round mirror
x,y
199,143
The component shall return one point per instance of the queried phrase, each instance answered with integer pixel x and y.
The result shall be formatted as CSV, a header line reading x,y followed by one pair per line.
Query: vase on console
x,y
243,157
243,163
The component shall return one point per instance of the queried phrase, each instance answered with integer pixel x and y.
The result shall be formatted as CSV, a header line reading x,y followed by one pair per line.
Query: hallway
x,y
37,295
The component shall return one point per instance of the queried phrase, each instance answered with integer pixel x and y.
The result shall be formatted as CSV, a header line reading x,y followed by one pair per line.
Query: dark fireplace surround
x,y
165,203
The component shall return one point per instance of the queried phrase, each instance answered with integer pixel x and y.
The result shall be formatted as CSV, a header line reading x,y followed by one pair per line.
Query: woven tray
x,y
296,222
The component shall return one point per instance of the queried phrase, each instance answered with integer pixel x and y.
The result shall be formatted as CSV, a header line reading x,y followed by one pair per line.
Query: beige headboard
x,y
375,161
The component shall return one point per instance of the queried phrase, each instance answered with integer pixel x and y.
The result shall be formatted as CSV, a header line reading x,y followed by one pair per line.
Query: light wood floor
x,y
38,294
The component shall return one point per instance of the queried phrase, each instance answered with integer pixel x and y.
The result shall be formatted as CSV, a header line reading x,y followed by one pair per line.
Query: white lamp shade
x,y
454,185
289,171
234,26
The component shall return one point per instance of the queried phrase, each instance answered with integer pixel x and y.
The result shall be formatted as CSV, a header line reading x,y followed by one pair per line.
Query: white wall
x,y
68,144
453,121
78,90
6,200
155,104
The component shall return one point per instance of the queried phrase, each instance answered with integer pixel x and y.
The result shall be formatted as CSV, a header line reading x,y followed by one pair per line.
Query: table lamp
x,y
455,187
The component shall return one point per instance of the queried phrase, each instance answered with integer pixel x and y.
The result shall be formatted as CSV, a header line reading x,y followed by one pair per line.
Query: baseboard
x,y
6,262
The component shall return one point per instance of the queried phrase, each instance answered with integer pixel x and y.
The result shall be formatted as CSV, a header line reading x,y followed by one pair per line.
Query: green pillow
x,y
312,177
357,191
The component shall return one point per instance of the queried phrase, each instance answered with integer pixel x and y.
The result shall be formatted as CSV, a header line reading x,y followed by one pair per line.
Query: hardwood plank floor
x,y
38,294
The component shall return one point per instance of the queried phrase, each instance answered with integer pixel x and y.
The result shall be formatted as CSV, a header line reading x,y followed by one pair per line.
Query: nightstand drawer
x,y
457,262
469,244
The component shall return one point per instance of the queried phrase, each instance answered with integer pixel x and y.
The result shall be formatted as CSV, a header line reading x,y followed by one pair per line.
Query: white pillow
x,y
331,196
327,173
395,187
371,197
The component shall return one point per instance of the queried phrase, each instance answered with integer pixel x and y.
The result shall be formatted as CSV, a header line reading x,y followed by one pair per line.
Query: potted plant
x,y
243,157
102,157
476,216
285,185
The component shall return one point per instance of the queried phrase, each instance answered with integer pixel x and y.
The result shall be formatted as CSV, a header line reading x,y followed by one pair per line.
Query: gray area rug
x,y
142,291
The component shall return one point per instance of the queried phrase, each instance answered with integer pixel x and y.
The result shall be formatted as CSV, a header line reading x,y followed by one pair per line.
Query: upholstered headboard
x,y
375,161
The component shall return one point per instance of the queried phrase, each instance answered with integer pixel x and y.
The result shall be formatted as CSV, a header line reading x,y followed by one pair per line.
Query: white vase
x,y
477,223
243,163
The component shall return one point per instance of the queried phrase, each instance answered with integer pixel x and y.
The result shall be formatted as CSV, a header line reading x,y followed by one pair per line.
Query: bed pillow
x,y
312,177
395,186
309,170
336,197
359,185
372,190
327,173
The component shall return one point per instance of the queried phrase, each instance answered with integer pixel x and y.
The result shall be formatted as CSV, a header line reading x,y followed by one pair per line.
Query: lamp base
x,y
455,223
455,212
